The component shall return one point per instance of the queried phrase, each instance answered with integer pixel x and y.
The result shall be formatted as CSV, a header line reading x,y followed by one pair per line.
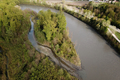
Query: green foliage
x,y
24,1
61,22
49,29
10,21
45,70
51,23
53,28
107,11
9,2
24,61
101,25
14,26
118,35
87,13
117,3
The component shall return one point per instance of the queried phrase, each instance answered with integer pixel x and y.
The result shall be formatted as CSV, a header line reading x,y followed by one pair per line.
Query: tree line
x,y
107,11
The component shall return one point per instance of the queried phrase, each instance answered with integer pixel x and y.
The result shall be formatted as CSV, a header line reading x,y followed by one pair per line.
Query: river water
x,y
99,60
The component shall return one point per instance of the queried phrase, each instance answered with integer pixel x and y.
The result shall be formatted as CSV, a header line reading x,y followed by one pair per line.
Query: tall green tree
x,y
10,20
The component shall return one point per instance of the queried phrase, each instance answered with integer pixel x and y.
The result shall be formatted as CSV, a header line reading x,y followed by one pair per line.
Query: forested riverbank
x,y
107,11
100,24
99,27
24,61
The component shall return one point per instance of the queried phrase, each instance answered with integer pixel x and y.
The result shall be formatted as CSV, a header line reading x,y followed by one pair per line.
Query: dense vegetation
x,y
24,62
13,37
117,3
106,11
50,29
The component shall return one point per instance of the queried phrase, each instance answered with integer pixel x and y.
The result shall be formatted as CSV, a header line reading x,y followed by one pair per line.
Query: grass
x,y
118,35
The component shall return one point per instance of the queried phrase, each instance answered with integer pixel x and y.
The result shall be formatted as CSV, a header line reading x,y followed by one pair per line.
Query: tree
x,y
49,29
10,20
61,22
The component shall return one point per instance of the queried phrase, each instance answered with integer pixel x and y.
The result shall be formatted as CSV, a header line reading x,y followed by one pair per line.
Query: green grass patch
x,y
118,35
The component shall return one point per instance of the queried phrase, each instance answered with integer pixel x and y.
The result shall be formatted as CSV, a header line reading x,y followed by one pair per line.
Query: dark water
x,y
99,60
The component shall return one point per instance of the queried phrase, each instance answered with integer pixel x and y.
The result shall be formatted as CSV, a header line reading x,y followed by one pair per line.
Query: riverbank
x,y
72,11
113,40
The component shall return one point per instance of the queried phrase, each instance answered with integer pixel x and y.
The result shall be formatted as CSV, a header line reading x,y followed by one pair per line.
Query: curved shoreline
x,y
74,14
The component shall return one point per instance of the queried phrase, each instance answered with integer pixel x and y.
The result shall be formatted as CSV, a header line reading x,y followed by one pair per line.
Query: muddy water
x,y
99,60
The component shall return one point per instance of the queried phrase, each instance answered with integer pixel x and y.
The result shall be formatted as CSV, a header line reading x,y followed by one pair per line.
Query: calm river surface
x,y
99,60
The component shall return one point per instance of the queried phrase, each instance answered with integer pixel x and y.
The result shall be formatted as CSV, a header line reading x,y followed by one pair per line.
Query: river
x,y
99,60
